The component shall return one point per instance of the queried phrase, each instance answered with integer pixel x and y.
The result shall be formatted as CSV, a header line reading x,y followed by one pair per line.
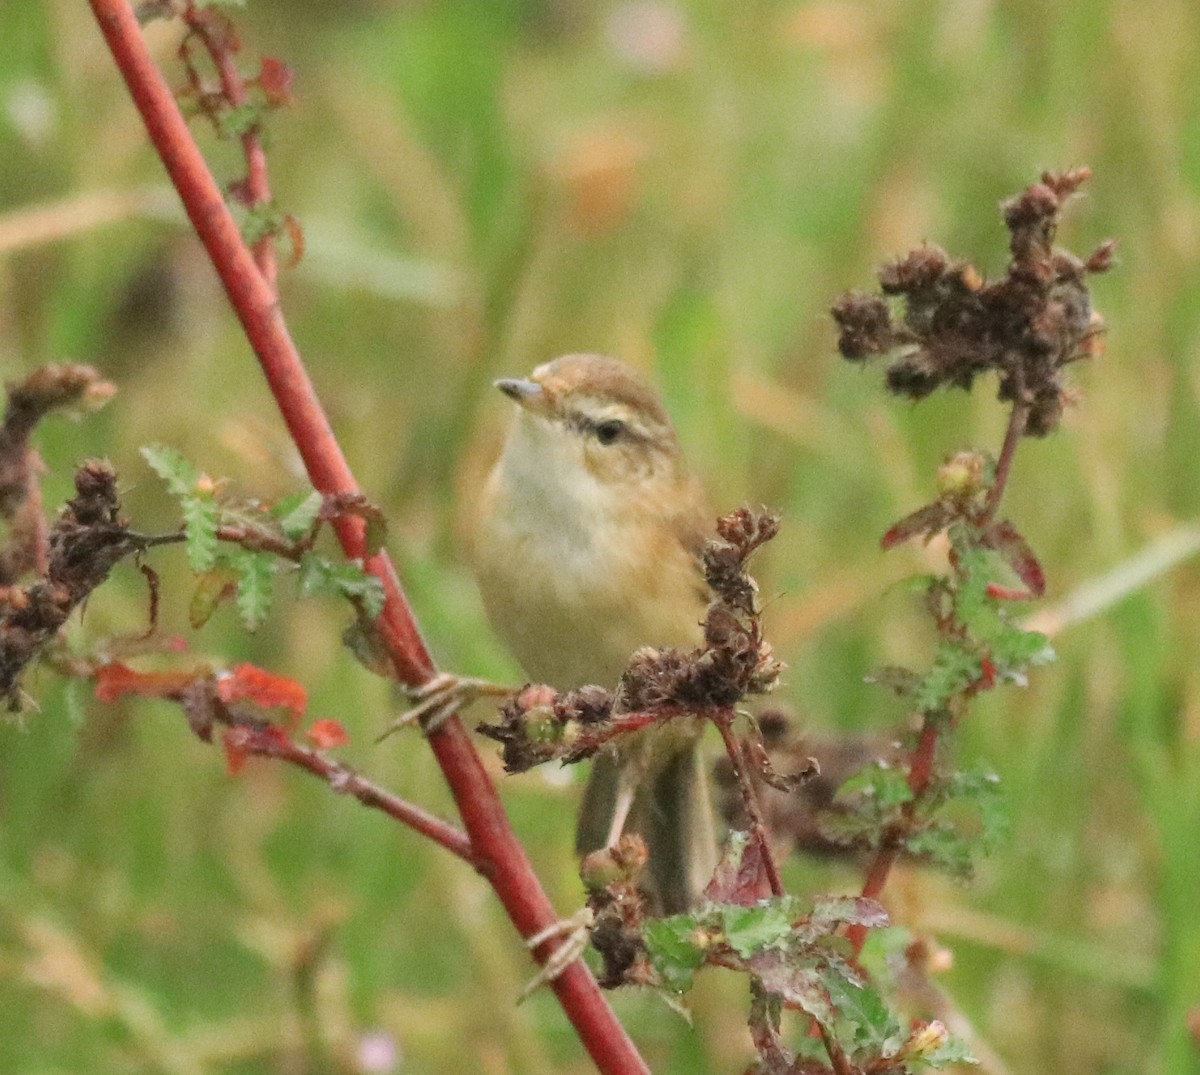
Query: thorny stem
x,y
499,855
920,770
758,826
342,779
257,184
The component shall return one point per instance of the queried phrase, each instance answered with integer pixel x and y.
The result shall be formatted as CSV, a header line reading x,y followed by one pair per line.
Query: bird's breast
x,y
574,583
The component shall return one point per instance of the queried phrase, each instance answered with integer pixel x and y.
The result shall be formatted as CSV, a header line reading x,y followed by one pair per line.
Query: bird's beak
x,y
529,394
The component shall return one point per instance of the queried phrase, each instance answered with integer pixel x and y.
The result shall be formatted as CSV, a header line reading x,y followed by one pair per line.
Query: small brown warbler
x,y
590,529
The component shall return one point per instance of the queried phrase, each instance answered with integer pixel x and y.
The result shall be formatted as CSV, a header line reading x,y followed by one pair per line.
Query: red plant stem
x,y
920,772
498,854
348,782
1012,437
750,802
921,766
257,186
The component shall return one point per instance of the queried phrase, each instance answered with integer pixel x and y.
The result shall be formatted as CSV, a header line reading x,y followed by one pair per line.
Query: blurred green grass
x,y
687,185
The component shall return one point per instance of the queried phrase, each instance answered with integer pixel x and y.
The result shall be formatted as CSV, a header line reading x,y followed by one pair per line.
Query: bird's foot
x,y
574,931
437,699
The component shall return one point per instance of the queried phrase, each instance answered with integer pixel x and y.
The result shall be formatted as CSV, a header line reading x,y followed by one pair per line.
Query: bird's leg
x,y
621,807
574,931
439,698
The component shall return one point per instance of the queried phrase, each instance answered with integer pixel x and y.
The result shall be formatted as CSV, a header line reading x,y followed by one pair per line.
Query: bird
x,y
587,548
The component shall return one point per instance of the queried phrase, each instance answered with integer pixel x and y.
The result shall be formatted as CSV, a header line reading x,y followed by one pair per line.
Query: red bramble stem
x,y
750,803
496,851
921,764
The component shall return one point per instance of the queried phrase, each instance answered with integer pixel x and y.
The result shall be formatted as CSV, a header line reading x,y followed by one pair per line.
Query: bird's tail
x,y
669,809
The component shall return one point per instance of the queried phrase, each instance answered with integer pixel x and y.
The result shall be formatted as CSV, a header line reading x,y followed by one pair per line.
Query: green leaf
x,y
874,1030
262,220
953,669
212,588
752,929
952,1051
240,120
298,514
345,578
974,606
676,949
943,846
830,912
201,516
173,468
1015,649
256,576
884,786
981,790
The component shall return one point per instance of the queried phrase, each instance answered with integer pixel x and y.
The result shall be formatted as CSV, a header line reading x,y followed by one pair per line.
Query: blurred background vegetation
x,y
688,185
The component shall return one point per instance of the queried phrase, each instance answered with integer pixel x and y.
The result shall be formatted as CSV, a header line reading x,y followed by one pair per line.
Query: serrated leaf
x,y
671,944
797,983
751,929
297,515
736,878
261,221
201,517
883,785
876,1032
240,120
1017,649
927,521
172,467
255,586
829,912
981,790
213,588
954,668
319,575
944,847
952,1051
1009,542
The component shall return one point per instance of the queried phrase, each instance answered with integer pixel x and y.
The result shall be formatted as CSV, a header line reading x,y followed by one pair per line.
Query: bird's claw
x,y
437,699
575,932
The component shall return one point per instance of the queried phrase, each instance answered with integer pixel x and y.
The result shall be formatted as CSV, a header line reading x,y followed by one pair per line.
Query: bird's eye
x,y
610,430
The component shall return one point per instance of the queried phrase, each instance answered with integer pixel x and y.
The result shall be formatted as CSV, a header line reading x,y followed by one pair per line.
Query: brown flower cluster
x,y
952,324
62,563
611,877
86,540
539,724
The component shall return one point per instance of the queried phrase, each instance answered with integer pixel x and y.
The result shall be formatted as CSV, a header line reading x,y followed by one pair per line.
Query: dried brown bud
x,y
866,327
1103,257
1032,206
919,271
